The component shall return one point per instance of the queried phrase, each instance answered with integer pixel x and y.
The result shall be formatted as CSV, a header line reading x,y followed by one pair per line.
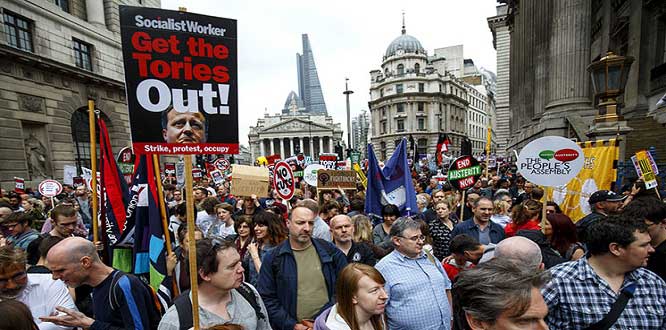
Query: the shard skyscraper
x,y
309,87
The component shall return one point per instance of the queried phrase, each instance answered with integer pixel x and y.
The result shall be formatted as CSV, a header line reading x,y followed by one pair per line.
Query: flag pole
x,y
544,212
165,222
192,243
488,141
93,167
462,206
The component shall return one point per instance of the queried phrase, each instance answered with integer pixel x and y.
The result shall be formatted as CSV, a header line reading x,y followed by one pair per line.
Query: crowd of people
x,y
490,261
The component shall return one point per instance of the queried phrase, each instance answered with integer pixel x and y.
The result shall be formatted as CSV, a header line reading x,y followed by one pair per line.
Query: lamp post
x,y
609,76
347,92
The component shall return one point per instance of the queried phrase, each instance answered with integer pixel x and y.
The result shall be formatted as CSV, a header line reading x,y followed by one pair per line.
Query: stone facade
x,y
502,43
553,42
289,134
43,88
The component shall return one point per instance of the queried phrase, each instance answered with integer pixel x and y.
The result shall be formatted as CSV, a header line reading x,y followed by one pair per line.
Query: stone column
x,y
321,144
262,147
300,144
312,154
330,144
272,143
282,148
95,13
569,81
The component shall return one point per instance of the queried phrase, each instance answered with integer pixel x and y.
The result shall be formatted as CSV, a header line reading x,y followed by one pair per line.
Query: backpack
x,y
154,314
184,305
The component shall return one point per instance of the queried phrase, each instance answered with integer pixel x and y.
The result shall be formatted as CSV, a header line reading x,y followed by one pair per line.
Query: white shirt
x,y
42,294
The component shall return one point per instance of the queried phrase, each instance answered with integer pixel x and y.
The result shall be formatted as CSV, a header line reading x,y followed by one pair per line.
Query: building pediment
x,y
294,125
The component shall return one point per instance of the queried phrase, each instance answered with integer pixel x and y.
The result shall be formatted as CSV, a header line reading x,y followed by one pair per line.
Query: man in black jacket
x,y
603,203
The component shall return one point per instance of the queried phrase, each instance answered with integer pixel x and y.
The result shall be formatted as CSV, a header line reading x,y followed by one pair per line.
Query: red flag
x,y
442,146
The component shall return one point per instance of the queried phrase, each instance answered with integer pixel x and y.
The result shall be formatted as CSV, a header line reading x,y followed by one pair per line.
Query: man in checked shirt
x,y
582,292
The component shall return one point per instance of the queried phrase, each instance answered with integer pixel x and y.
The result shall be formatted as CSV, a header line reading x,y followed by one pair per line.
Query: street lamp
x,y
609,75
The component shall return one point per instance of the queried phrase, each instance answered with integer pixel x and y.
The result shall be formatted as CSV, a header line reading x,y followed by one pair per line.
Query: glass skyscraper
x,y
309,87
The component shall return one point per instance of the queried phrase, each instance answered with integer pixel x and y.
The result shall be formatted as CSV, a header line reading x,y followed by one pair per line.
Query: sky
x,y
348,40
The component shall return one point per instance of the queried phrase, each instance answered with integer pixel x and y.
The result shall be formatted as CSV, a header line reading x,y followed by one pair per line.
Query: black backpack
x,y
155,310
184,305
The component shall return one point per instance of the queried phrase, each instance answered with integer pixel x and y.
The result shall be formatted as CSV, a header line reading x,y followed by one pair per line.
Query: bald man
x,y
520,249
120,301
342,231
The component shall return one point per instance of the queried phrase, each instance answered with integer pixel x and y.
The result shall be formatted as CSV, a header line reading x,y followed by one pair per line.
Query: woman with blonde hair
x,y
362,228
361,300
501,213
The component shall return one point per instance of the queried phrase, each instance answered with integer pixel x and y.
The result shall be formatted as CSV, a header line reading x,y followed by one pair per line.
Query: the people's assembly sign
x,y
181,80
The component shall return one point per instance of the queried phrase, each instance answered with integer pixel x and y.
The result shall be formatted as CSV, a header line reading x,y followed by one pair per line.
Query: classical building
x,y
54,57
478,117
309,87
360,129
502,43
552,43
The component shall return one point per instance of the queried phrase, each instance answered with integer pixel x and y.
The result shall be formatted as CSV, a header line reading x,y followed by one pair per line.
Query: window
x,y
421,87
422,146
401,69
398,89
421,123
383,129
82,55
401,107
420,106
382,150
383,111
63,4
81,136
401,125
417,68
18,32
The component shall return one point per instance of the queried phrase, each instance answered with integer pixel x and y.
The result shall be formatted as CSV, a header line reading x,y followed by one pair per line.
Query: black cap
x,y
605,196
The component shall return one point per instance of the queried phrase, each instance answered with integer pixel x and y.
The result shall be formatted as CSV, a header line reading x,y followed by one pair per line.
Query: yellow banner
x,y
361,176
598,173
489,135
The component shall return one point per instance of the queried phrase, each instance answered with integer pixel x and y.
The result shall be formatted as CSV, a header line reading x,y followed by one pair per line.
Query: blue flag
x,y
390,185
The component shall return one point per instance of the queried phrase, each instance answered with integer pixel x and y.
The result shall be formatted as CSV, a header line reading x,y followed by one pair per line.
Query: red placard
x,y
283,179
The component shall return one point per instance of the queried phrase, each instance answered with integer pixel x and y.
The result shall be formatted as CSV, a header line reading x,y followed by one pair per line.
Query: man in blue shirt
x,y
480,226
417,286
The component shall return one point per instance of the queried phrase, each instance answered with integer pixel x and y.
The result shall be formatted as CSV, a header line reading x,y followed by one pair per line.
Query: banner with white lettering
x,y
181,80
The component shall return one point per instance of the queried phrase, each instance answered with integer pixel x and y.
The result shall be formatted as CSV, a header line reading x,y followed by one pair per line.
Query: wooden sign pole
x,y
192,243
93,168
544,212
163,214
462,206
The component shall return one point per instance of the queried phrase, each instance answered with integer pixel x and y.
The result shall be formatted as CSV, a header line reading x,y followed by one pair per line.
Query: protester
x,y
356,207
321,229
65,221
653,211
342,231
223,226
18,225
500,295
524,216
16,316
480,227
5,211
119,300
299,284
223,296
560,232
224,196
520,250
361,301
328,210
469,205
199,193
178,218
179,269
584,291
602,203
380,234
465,253
34,208
268,233
440,229
207,217
552,207
248,205
82,197
39,292
417,286
243,226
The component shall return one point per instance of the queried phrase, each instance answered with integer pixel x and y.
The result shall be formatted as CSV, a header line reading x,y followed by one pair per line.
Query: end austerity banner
x,y
181,80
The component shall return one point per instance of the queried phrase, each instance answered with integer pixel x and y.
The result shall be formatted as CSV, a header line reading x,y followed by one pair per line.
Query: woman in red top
x,y
524,216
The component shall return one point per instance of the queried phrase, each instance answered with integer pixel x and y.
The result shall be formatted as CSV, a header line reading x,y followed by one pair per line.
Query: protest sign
x,y
19,185
646,167
181,81
170,173
329,161
550,161
283,179
249,180
50,188
221,164
68,174
310,173
464,172
328,179
217,176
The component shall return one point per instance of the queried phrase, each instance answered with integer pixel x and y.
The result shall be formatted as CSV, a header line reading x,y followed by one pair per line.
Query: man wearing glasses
x,y
419,290
64,220
37,291
21,234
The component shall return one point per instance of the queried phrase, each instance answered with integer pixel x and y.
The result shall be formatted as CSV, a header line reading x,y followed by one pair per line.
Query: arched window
x,y
81,136
417,68
401,69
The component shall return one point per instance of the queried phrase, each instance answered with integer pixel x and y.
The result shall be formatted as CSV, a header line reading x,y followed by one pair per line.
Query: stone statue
x,y
36,154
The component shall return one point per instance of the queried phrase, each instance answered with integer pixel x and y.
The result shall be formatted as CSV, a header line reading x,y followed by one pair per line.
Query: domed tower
x,y
409,96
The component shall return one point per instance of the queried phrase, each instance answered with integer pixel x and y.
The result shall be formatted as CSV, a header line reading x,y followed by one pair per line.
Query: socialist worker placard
x,y
181,80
